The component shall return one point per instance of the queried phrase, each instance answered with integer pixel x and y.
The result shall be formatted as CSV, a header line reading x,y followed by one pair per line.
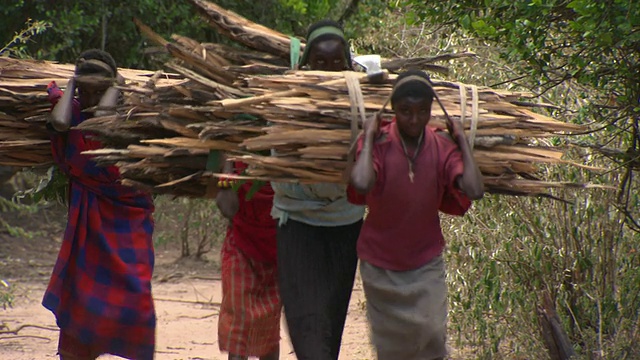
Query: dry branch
x,y
275,43
243,31
24,326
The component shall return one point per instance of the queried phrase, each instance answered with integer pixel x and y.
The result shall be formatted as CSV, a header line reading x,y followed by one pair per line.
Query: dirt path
x,y
186,293
186,330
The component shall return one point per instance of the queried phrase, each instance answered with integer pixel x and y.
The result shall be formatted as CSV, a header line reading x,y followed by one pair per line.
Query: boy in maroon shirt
x,y
414,171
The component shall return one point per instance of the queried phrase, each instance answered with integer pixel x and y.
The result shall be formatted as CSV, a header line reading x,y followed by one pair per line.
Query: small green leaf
x,y
466,21
255,186
479,25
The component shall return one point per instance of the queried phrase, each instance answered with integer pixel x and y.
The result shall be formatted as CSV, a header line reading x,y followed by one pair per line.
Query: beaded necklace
x,y
411,159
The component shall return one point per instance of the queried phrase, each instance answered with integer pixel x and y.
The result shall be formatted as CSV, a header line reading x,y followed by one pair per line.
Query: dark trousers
x,y
316,270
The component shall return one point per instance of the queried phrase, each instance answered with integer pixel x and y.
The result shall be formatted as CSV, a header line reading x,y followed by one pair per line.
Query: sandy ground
x,y
186,330
186,296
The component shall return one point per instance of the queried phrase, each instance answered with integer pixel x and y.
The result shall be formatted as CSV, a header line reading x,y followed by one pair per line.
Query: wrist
x,y
225,184
370,135
367,145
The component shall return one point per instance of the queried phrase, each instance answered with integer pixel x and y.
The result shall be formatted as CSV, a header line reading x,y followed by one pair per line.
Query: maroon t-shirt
x,y
402,229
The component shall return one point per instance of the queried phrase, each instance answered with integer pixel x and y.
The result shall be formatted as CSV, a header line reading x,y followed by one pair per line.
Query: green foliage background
x,y
79,25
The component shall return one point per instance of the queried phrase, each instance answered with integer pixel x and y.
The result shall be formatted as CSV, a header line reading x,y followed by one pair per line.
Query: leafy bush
x,y
195,224
6,294
507,252
17,46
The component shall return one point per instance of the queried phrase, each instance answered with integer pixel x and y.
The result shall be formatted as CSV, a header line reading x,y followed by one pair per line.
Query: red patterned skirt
x,y
249,321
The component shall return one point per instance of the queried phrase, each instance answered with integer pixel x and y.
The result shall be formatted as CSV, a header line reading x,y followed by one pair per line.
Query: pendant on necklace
x,y
410,173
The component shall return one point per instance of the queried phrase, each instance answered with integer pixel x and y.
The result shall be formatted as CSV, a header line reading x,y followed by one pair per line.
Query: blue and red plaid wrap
x,y
100,288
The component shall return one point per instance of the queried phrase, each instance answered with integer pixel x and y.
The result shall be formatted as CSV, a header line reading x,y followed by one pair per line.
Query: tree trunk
x,y
204,245
554,336
349,11
184,236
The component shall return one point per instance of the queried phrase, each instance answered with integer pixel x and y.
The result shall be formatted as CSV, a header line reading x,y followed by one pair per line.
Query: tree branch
x,y
349,11
509,80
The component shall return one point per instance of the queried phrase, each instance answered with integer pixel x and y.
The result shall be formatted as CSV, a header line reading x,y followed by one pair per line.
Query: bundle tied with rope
x,y
25,110
161,138
163,135
314,128
358,114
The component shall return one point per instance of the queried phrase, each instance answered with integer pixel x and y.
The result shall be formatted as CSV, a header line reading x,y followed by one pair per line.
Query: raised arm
x,y
363,175
60,117
471,182
110,99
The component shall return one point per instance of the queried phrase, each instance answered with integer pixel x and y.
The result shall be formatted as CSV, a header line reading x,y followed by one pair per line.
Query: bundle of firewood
x,y
245,102
309,129
24,140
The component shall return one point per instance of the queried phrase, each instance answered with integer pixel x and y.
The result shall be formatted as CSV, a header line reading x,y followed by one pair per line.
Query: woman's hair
x,y
412,84
95,61
333,30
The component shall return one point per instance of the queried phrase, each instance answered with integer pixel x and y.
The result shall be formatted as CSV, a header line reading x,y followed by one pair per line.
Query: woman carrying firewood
x,y
100,289
407,173
249,320
317,234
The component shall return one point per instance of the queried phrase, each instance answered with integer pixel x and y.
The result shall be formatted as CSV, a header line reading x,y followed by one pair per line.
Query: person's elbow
x,y
59,125
475,193
227,202
362,183
474,190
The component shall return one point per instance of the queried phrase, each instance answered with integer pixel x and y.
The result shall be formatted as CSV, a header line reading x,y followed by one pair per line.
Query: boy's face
x,y
412,115
90,93
327,55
